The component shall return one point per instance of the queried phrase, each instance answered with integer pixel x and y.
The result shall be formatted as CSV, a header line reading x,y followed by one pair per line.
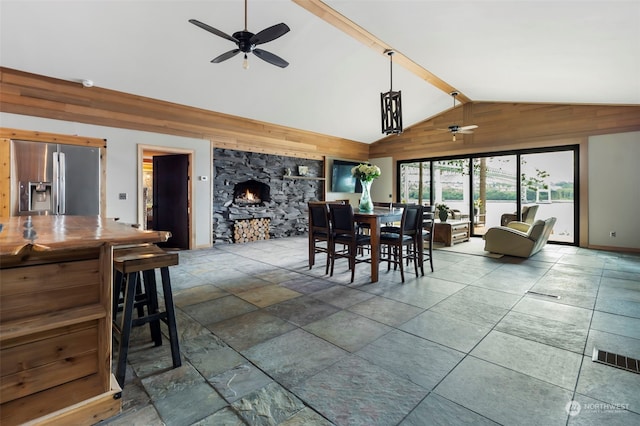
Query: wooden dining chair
x,y
344,231
402,245
428,223
319,232
393,227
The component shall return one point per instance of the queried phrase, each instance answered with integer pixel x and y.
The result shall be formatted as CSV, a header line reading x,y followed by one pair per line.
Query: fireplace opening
x,y
251,192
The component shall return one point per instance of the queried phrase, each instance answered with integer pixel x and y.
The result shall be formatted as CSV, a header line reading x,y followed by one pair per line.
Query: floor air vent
x,y
615,360
535,293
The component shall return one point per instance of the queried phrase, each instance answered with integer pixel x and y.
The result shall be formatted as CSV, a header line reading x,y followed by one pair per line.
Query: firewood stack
x,y
248,230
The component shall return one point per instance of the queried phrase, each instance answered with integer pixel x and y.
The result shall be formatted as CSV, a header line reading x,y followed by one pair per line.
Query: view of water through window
x,y
490,190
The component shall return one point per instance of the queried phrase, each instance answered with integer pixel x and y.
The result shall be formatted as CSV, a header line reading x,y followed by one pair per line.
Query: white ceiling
x,y
522,51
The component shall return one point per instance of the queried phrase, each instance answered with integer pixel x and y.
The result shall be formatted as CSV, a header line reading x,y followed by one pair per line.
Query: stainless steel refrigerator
x,y
55,179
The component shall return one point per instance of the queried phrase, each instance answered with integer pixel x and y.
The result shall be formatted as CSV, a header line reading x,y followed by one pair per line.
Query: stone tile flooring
x,y
266,341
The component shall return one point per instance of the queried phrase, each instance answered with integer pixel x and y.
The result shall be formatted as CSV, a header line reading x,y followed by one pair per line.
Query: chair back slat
x,y
341,218
412,219
318,215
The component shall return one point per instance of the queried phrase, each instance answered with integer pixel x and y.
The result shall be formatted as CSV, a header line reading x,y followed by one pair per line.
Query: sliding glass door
x,y
415,178
491,190
451,185
495,190
547,180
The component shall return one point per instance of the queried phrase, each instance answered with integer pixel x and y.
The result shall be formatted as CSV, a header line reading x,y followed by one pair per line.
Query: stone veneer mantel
x,y
287,209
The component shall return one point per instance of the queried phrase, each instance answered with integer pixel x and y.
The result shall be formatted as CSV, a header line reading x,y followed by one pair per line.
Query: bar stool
x,y
128,264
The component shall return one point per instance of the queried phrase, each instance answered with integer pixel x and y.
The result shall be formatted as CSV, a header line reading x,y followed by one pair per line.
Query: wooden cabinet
x,y
451,232
56,344
55,319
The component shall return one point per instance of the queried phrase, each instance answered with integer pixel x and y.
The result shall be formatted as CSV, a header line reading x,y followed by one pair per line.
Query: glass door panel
x,y
548,182
494,190
415,181
451,186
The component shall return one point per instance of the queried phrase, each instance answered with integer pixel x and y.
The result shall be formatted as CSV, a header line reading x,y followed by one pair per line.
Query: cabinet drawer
x,y
462,227
459,236
36,290
58,357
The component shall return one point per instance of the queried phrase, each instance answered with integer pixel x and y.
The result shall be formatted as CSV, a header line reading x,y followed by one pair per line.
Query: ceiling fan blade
x,y
271,58
269,34
470,127
225,56
466,131
212,30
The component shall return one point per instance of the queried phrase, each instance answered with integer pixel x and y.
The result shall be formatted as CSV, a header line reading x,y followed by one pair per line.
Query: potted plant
x,y
443,212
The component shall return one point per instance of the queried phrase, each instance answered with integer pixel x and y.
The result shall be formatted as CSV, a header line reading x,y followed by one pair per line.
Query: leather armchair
x,y
528,215
518,238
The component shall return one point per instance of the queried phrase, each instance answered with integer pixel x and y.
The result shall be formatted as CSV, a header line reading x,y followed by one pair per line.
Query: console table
x,y
451,232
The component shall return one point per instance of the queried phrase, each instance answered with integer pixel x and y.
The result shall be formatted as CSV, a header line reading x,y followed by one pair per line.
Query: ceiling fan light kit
x,y
391,105
247,41
454,128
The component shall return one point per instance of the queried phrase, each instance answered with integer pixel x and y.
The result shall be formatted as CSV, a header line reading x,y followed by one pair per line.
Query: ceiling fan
x,y
455,129
247,42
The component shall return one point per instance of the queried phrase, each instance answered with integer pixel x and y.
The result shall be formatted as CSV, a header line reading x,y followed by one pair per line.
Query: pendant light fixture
x,y
391,105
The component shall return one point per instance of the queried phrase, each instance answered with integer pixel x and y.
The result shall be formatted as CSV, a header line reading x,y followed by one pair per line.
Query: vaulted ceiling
x,y
584,52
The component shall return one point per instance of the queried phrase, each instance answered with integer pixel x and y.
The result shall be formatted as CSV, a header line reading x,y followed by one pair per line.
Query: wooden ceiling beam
x,y
344,24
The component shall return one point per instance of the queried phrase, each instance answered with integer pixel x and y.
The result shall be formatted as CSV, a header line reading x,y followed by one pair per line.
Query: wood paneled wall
x,y
505,126
502,125
35,95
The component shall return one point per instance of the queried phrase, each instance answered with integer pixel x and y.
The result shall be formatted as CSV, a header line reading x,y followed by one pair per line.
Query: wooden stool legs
x,y
138,295
171,317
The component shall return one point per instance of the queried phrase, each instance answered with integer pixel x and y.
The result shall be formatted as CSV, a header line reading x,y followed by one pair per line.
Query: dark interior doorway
x,y
171,202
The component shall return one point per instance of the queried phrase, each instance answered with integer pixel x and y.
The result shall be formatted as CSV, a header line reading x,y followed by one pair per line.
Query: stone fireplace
x,y
251,192
251,187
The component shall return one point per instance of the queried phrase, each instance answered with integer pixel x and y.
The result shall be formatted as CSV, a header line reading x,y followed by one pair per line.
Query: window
x,y
415,182
495,190
499,184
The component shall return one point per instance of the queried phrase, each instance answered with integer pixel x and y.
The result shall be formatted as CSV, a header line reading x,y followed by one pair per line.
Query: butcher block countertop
x,y
62,232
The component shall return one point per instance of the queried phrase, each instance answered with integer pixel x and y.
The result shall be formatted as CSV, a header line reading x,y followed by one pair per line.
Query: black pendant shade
x,y
391,106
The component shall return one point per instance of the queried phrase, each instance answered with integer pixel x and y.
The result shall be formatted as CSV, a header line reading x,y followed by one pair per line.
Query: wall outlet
x,y
122,196
612,234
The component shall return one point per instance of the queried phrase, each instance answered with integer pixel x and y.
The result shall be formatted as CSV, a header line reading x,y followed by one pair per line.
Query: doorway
x,y
166,194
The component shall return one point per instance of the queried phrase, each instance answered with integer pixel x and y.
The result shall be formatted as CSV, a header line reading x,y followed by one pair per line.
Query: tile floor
x,y
266,341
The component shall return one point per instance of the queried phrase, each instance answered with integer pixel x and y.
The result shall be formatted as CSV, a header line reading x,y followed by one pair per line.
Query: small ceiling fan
x,y
247,42
455,129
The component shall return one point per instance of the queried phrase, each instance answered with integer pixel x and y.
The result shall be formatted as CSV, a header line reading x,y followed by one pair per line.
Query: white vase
x,y
366,204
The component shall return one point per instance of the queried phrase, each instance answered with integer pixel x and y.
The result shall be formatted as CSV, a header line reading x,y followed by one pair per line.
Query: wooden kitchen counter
x,y
61,232
55,318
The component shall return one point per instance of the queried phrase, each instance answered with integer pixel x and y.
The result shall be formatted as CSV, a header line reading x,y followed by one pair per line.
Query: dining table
x,y
375,219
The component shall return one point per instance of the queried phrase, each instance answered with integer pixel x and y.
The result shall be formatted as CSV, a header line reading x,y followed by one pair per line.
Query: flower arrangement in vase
x,y
366,173
476,206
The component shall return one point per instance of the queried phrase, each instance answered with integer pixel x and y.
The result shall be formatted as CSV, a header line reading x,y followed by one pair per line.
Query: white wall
x,y
122,166
382,188
614,190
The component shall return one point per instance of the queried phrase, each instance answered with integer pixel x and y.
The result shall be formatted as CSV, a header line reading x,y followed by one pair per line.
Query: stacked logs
x,y
248,230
